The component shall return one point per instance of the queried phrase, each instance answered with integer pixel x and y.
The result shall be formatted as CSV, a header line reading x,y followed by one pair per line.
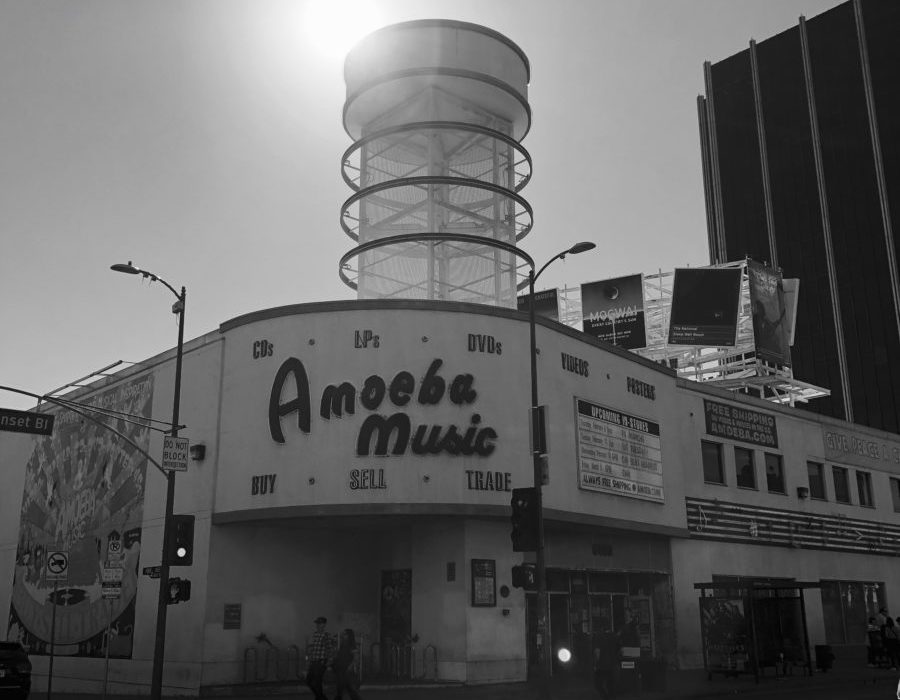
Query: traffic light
x,y
180,549
523,576
179,591
524,520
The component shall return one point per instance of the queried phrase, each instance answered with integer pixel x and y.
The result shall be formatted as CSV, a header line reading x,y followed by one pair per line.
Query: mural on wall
x,y
83,496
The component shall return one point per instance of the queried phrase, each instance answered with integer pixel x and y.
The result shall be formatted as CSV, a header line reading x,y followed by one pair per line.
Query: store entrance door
x,y
396,622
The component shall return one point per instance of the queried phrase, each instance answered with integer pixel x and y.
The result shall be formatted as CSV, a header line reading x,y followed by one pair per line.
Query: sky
x,y
202,140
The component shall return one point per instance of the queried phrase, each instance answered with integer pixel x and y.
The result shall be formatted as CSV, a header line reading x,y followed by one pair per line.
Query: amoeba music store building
x,y
359,458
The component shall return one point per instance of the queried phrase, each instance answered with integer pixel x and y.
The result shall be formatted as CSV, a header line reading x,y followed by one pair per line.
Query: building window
x,y
744,468
774,473
895,494
846,606
841,484
713,469
816,474
864,488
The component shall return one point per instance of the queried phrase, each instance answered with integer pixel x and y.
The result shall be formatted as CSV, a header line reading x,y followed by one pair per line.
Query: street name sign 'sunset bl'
x,y
175,453
26,422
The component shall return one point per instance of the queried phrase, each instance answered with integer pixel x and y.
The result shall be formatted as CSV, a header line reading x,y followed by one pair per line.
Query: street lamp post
x,y
162,602
540,571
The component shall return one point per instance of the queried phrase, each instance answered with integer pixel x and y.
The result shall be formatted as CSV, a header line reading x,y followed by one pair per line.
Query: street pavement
x,y
854,683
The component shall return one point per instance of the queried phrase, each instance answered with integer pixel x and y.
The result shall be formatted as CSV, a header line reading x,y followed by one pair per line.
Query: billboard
x,y
770,324
546,304
613,310
705,306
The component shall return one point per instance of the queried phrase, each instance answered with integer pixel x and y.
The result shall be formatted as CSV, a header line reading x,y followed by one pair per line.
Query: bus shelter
x,y
749,625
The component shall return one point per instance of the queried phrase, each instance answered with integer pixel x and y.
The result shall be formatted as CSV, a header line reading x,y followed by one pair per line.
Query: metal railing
x,y
393,661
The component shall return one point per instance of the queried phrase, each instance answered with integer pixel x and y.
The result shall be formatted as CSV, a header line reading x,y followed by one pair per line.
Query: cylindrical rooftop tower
x,y
436,109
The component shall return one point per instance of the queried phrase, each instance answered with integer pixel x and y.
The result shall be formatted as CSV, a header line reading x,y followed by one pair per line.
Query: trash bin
x,y
628,679
824,657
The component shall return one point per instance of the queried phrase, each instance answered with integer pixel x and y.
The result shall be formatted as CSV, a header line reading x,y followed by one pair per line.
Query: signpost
x,y
111,589
175,453
57,569
26,422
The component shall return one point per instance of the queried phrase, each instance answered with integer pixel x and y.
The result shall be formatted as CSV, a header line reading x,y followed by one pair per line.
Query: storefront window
x,y
713,469
610,582
816,474
841,484
744,468
557,581
847,606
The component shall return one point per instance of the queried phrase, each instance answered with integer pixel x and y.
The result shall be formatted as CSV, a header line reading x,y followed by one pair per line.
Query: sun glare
x,y
333,27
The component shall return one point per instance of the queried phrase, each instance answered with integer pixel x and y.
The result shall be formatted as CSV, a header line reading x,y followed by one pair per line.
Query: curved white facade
x,y
297,516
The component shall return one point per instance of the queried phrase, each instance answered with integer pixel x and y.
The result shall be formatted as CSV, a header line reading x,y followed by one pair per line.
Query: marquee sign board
x,y
618,453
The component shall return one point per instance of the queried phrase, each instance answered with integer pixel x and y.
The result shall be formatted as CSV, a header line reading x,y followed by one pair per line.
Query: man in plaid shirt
x,y
319,652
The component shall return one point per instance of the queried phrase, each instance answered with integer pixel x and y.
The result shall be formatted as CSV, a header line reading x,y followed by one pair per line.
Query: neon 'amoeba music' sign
x,y
392,434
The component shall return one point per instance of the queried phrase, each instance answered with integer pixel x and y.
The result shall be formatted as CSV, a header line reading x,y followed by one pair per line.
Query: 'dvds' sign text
x,y
382,434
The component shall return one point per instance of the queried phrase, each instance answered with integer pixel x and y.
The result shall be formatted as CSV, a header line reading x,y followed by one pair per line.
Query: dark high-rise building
x,y
801,153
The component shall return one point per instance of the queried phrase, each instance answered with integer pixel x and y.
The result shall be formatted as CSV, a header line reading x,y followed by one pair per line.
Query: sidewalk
x,y
680,685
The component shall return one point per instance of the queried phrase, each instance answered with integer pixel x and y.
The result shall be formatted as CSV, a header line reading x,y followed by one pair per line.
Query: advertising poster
x,y
726,635
737,423
546,304
770,326
82,510
613,310
705,306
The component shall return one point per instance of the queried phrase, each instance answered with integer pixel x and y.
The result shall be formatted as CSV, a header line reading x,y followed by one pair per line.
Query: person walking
x,y
892,642
318,653
874,643
345,666
606,661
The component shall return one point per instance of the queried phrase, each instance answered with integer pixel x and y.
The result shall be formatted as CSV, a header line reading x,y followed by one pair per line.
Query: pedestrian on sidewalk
x,y
345,667
892,642
318,652
874,644
606,661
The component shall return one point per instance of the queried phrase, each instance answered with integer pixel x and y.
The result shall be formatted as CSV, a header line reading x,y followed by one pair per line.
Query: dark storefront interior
x,y
583,604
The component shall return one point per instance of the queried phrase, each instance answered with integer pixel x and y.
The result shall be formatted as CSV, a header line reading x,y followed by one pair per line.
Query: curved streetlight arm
x,y
130,269
558,256
582,247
